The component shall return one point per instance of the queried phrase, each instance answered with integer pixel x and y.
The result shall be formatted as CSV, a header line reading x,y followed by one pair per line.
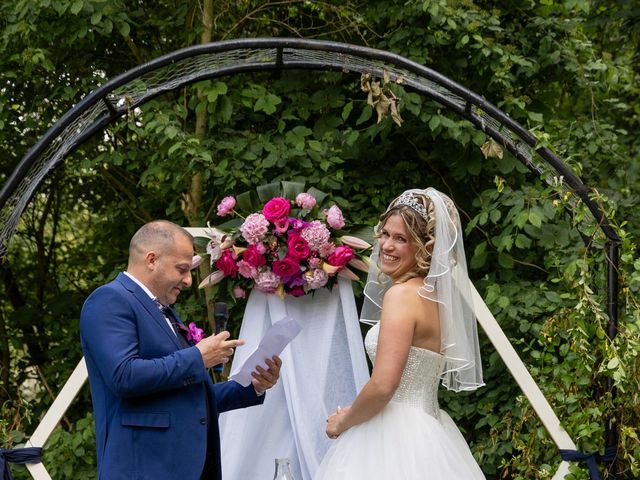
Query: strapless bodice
x,y
420,378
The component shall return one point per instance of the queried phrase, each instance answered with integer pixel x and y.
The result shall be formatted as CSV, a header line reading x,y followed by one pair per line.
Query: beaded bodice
x,y
420,378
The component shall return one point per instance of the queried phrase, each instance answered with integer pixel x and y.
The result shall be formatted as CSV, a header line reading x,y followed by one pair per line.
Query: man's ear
x,y
151,260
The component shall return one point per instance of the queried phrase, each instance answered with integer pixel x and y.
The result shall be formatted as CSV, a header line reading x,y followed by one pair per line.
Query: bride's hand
x,y
335,422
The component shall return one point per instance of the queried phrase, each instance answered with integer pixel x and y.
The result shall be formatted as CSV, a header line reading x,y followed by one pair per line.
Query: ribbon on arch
x,y
17,455
591,459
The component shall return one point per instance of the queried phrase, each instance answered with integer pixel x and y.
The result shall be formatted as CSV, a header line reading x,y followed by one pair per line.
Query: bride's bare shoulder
x,y
405,291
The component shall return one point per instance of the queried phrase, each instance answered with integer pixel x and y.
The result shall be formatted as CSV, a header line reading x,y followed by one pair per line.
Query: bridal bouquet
x,y
288,247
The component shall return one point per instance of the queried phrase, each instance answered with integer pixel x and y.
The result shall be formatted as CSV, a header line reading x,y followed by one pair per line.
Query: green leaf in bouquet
x,y
291,189
248,202
319,195
269,191
230,225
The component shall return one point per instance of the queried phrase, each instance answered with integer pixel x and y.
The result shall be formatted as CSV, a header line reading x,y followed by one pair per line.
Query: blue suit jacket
x,y
149,396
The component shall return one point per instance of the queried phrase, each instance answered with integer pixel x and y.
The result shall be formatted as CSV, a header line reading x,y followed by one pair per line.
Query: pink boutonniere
x,y
195,334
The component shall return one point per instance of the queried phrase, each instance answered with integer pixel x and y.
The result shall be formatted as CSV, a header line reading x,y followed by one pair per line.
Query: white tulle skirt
x,y
401,443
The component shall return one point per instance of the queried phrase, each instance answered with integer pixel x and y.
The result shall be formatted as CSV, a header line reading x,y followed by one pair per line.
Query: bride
x,y
424,334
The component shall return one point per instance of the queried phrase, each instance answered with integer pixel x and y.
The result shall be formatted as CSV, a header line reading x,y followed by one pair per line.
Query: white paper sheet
x,y
273,343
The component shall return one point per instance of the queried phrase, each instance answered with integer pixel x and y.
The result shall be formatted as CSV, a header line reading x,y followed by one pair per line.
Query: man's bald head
x,y
158,235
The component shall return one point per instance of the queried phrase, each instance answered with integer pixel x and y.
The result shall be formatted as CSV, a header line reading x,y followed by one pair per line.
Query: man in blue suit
x,y
155,405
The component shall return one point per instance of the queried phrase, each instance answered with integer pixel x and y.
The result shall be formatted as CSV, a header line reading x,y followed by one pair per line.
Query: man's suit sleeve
x,y
230,395
109,331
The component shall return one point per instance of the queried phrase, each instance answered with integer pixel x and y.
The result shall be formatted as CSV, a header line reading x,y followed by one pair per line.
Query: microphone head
x,y
220,310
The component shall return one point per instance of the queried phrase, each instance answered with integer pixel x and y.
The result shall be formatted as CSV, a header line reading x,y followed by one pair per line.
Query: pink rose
x,y
334,217
226,205
238,292
195,334
340,256
286,267
277,209
253,257
305,201
227,264
298,248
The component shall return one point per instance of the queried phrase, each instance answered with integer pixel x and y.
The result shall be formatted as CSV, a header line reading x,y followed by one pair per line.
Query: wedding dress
x,y
410,439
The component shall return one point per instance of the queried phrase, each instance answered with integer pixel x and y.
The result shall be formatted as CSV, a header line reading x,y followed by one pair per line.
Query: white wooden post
x,y
523,377
51,419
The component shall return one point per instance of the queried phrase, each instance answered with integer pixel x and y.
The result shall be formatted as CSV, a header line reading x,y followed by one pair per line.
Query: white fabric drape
x,y
323,367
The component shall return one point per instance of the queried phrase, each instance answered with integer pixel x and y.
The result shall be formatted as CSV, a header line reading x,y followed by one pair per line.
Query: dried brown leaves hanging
x,y
381,98
492,149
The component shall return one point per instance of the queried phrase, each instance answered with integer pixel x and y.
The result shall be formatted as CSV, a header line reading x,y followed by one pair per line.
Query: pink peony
x,y
277,209
298,248
286,267
254,228
195,334
316,234
316,278
226,205
305,201
267,281
238,292
253,257
334,217
227,264
326,249
341,256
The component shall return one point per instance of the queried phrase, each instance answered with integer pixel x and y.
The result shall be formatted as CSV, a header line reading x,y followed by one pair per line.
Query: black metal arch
x,y
137,86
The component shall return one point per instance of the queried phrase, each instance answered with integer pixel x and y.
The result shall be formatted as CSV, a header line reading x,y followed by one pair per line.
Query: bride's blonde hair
x,y
421,231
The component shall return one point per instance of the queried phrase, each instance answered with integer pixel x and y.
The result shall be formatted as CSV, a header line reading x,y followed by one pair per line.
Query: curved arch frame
x,y
116,97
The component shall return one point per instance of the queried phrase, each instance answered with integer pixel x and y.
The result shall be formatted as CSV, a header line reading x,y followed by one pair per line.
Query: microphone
x,y
220,317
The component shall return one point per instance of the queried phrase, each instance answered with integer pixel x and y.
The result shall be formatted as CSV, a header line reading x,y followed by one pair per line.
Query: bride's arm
x,y
397,325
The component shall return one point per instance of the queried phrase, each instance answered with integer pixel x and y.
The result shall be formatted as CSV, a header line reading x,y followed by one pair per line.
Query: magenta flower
x,y
254,228
227,264
277,209
334,217
195,334
226,205
305,201
341,256
298,247
253,257
238,292
285,268
297,292
281,226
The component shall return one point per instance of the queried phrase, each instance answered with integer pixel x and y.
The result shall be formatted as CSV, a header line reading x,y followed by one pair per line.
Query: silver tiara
x,y
408,200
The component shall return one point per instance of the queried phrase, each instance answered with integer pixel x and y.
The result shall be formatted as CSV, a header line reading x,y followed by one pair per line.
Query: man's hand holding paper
x,y
271,345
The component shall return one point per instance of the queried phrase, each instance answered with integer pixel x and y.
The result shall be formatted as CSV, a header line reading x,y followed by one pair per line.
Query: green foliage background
x,y
567,70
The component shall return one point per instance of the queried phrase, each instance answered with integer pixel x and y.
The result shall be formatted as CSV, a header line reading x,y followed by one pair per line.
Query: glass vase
x,y
283,469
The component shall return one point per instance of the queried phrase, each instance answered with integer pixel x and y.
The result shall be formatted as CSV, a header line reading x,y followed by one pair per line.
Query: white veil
x,y
446,283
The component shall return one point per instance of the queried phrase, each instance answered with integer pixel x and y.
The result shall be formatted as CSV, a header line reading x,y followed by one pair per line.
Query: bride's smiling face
x,y
397,250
